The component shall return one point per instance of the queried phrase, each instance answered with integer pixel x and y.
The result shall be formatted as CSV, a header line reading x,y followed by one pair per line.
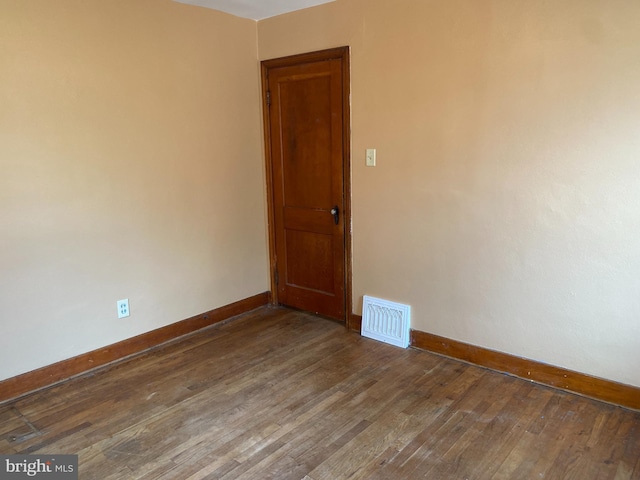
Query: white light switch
x,y
371,157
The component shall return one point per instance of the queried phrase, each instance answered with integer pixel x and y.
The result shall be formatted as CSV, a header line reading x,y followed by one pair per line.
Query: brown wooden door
x,y
306,139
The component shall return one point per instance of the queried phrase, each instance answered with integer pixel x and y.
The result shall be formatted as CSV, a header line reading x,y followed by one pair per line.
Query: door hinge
x,y
268,98
276,277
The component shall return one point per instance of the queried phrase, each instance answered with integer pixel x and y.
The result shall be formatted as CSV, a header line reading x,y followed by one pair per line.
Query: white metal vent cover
x,y
386,321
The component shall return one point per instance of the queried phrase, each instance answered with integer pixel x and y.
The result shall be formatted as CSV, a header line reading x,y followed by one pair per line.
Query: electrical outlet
x,y
123,308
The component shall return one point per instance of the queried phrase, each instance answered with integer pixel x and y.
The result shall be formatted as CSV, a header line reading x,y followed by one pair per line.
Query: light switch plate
x,y
371,157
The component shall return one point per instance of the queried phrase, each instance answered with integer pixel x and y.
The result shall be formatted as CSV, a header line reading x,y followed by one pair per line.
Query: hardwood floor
x,y
286,395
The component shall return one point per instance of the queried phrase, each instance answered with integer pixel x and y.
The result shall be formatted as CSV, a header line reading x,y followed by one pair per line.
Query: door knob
x,y
335,211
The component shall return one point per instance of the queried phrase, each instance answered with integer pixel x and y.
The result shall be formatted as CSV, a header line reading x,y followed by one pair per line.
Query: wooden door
x,y
306,116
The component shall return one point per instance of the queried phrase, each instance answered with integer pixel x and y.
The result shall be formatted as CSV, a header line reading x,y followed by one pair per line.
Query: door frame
x,y
342,54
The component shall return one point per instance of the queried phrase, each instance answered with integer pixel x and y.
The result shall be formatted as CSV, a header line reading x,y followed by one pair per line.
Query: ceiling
x,y
255,9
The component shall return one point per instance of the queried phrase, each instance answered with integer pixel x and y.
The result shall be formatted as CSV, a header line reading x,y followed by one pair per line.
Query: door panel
x,y
307,165
306,140
318,259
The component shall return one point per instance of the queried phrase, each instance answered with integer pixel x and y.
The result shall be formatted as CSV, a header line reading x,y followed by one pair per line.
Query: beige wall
x,y
506,205
130,167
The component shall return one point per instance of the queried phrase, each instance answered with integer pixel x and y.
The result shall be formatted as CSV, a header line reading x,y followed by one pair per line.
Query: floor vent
x,y
386,321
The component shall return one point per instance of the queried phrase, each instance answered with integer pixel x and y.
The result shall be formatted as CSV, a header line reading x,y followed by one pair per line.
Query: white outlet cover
x,y
123,308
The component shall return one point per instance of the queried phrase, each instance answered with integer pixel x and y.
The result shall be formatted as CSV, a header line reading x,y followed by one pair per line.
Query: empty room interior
x,y
138,151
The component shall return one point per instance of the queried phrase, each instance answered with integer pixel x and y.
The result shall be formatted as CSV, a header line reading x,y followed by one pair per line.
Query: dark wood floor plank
x,y
538,403
445,410
486,430
280,394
